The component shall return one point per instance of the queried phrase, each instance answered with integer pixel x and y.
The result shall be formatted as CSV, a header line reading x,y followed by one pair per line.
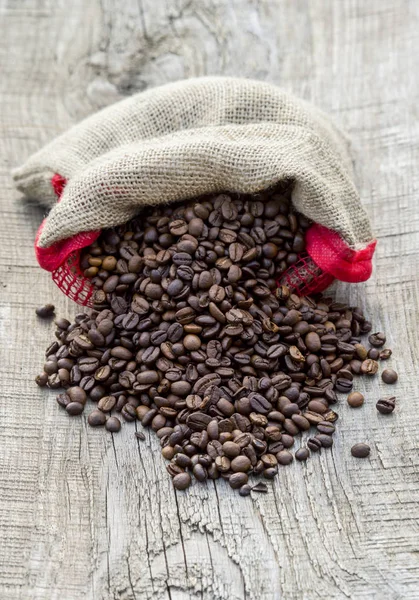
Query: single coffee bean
x,y
240,464
46,311
326,427
237,480
113,424
360,450
42,379
314,444
181,481
77,394
355,399
74,408
302,454
63,400
389,376
96,418
107,403
325,440
369,367
245,490
386,405
377,339
284,457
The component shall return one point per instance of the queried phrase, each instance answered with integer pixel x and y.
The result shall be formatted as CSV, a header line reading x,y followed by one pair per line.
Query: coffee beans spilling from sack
x,y
191,336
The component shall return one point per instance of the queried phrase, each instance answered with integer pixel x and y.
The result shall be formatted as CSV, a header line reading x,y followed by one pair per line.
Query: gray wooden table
x,y
87,516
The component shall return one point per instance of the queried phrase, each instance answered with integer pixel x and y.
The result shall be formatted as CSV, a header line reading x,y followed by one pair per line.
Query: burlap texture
x,y
194,137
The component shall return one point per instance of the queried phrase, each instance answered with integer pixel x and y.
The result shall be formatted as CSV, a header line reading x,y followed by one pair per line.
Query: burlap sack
x,y
190,138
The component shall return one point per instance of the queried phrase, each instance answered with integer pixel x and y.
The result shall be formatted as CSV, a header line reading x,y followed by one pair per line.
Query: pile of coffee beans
x,y
190,335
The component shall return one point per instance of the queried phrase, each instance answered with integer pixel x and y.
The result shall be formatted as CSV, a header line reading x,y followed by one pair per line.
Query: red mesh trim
x,y
305,277
72,282
62,259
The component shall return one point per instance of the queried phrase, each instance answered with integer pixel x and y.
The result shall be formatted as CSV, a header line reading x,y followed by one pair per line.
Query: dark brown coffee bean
x,y
386,405
63,400
96,418
326,427
360,450
302,454
369,367
77,394
237,480
284,457
240,464
389,376
74,408
377,339
314,444
113,424
46,311
325,440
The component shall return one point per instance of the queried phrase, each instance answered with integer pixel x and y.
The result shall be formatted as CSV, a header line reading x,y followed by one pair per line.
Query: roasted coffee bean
x,y
238,480
284,457
377,339
389,376
326,427
369,367
42,379
46,311
77,394
240,464
302,454
181,481
113,424
314,444
355,399
360,450
96,418
325,440
107,403
386,405
63,400
74,408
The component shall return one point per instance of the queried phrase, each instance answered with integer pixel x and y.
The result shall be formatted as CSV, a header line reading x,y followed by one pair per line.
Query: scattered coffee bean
x,y
46,311
355,399
96,418
182,481
360,450
113,424
386,405
389,376
302,454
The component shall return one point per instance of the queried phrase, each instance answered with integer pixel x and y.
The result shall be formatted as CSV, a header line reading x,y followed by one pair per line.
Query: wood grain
x,y
84,515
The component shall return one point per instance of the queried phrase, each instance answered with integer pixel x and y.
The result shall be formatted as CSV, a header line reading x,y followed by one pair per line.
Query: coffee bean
x,y
360,450
386,405
96,418
369,367
245,490
284,457
326,427
240,464
314,444
325,440
377,339
46,311
355,399
107,403
74,408
113,424
77,394
389,376
302,454
42,379
237,480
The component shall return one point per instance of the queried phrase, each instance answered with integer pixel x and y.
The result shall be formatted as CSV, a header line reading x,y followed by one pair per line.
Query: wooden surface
x,y
87,516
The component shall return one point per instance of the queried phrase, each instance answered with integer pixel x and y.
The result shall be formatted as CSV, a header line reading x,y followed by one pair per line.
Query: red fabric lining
x,y
329,251
63,257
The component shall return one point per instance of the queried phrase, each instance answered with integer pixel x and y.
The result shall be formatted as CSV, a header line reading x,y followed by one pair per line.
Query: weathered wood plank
x,y
83,515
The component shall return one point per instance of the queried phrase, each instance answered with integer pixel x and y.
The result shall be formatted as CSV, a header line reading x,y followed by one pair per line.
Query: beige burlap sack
x,y
189,138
